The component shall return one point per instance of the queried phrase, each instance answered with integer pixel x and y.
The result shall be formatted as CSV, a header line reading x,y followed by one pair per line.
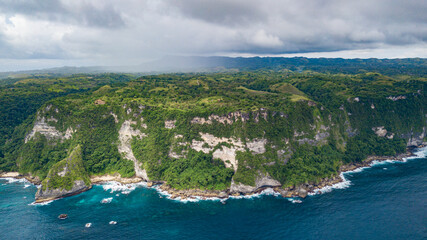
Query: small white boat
x,y
112,222
106,200
297,201
88,225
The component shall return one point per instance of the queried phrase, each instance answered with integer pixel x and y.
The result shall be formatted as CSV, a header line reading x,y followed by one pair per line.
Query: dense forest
x,y
207,130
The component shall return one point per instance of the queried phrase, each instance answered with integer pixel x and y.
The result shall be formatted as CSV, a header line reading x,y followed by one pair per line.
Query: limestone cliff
x,y
67,177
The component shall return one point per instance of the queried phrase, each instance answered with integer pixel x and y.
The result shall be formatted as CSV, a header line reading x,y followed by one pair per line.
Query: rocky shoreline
x,y
34,180
116,177
300,191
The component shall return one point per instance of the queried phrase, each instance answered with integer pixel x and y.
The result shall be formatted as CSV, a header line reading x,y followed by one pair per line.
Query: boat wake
x,y
41,204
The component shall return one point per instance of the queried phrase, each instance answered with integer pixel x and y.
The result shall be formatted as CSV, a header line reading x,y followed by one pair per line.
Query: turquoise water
x,y
387,201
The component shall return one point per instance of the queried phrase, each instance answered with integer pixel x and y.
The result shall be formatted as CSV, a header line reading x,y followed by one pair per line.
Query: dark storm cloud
x,y
83,13
223,12
325,25
128,31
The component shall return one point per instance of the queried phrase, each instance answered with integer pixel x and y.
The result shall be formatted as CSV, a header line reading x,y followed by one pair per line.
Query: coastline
x,y
16,175
300,191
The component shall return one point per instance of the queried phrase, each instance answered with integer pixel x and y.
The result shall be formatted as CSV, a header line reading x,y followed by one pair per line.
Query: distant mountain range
x,y
411,66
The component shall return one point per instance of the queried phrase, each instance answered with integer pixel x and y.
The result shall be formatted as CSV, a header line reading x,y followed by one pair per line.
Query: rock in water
x,y
66,178
223,195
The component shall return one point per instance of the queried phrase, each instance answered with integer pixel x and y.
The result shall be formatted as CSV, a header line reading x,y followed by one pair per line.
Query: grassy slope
x,y
184,96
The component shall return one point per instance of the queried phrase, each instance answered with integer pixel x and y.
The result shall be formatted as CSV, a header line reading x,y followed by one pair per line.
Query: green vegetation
x,y
63,174
303,126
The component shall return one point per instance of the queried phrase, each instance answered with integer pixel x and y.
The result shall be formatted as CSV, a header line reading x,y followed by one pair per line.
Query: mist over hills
x,y
168,64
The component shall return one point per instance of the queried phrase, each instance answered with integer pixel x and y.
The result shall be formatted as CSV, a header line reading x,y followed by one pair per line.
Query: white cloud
x,y
132,31
262,39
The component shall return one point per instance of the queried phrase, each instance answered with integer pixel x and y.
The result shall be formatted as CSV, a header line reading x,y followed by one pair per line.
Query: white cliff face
x,y
64,171
170,124
262,181
116,119
41,126
380,131
257,146
174,154
266,181
241,188
225,119
417,140
227,153
228,156
126,133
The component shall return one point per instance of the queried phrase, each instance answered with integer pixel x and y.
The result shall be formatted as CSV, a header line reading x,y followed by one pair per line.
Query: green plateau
x,y
207,131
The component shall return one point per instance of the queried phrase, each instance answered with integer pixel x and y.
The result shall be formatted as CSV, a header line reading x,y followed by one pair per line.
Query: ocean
x,y
385,201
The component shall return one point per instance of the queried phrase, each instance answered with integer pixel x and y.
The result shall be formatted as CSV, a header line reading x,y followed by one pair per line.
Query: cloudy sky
x,y
49,33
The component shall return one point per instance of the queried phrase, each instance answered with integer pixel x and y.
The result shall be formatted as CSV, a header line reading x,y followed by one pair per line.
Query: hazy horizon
x,y
54,33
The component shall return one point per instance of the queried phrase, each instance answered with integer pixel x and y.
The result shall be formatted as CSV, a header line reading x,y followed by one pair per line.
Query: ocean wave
x,y
13,180
420,153
41,204
294,200
341,185
184,200
267,191
123,188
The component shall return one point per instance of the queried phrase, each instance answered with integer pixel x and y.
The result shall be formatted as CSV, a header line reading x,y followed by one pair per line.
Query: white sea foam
x,y
345,183
107,200
267,191
13,180
123,188
341,185
294,200
420,153
384,162
41,204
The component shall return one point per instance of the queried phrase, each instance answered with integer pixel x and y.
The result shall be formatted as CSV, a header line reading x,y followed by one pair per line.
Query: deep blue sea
x,y
386,201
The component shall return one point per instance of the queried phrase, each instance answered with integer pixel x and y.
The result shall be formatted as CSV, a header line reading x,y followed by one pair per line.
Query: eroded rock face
x,y
257,146
228,156
224,119
126,133
227,153
50,132
380,131
416,139
266,181
116,119
51,194
396,98
241,188
170,124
